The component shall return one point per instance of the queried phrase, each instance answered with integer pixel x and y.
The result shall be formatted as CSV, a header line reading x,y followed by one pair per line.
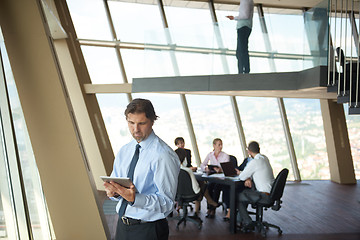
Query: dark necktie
x,y
130,175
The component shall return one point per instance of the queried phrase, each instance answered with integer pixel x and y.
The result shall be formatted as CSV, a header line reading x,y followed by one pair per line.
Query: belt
x,y
131,221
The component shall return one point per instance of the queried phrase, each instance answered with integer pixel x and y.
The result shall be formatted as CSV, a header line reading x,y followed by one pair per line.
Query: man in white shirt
x,y
258,172
244,26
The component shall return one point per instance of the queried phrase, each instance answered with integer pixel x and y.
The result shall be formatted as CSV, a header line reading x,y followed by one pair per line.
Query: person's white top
x,y
246,12
260,171
194,182
212,160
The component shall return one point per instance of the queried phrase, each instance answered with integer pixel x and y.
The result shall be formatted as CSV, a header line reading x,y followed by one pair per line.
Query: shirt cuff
x,y
115,198
140,200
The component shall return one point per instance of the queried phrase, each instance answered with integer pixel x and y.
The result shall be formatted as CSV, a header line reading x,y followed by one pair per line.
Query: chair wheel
x,y
200,226
263,232
280,232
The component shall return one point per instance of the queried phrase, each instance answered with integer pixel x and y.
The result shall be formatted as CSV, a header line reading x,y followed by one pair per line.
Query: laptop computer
x,y
228,169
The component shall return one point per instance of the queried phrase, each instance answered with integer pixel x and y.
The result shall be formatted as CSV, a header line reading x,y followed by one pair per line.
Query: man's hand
x,y
113,188
248,183
230,17
218,169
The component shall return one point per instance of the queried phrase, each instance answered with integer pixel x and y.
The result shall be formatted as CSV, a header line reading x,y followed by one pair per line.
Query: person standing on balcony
x,y
244,26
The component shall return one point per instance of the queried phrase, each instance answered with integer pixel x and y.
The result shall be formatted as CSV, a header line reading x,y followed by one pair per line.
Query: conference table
x,y
232,182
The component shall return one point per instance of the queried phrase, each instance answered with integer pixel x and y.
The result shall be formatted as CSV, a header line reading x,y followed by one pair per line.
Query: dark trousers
x,y
158,230
242,51
226,193
249,196
214,191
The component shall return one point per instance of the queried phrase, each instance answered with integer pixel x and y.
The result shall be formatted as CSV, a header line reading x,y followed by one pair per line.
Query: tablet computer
x,y
212,169
125,182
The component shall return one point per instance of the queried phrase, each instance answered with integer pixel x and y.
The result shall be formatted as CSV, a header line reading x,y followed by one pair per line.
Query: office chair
x,y
184,196
274,202
233,160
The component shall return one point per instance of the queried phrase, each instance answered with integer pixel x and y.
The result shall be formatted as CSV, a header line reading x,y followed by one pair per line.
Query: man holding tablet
x,y
153,168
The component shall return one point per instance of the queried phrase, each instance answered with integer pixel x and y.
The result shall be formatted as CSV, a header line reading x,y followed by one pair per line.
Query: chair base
x,y
262,227
185,217
194,219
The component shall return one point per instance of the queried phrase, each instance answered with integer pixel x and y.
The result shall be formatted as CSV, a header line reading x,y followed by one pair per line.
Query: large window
x,y
20,186
187,48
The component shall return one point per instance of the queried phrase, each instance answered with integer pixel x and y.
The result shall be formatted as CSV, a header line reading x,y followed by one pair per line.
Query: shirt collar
x,y
143,144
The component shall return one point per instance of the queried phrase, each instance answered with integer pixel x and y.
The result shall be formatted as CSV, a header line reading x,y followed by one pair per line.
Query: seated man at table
x,y
257,172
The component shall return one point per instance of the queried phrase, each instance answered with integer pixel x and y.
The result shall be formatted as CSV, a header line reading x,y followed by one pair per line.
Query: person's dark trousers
x,y
226,193
158,230
214,191
242,51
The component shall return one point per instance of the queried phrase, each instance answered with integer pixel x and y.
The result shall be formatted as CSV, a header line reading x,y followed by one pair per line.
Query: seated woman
x,y
198,187
215,158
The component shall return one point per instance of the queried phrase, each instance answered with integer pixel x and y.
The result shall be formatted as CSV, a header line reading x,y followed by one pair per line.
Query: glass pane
x,y
307,130
286,65
212,117
33,190
136,22
112,107
259,65
286,32
7,210
102,64
353,125
146,63
262,123
200,64
316,27
89,18
191,27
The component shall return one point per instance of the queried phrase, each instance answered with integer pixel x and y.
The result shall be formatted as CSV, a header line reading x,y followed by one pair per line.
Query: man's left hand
x,y
127,193
248,183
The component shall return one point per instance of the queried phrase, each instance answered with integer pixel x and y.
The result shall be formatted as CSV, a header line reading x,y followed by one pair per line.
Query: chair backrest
x,y
233,160
277,189
185,191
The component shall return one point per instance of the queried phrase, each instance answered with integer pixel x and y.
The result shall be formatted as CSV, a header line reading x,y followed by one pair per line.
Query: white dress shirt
x,y
260,171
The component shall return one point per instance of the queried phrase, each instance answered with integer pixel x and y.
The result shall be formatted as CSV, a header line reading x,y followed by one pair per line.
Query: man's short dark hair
x,y
254,147
178,140
140,105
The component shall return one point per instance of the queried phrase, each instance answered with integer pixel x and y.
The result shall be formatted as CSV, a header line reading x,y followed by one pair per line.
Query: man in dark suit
x,y
180,143
243,164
